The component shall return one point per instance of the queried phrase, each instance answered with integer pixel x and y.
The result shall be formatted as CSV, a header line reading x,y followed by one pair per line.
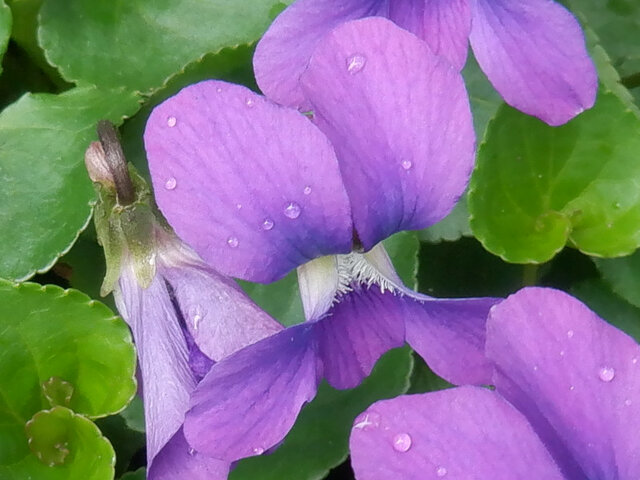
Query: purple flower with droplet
x,y
262,189
566,405
184,315
532,51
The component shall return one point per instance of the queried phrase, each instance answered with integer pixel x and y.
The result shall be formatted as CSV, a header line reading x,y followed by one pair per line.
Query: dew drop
x,y
258,450
535,368
171,183
539,175
192,451
570,334
219,89
171,121
441,471
196,321
606,374
267,224
562,353
406,164
238,206
402,442
232,242
634,360
249,102
628,402
292,210
572,388
617,205
307,190
355,63
367,421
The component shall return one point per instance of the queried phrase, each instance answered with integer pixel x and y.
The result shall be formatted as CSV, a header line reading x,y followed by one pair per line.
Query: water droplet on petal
x,y
219,89
249,102
232,242
238,206
441,471
307,190
402,442
606,374
267,224
628,402
171,121
192,451
171,183
292,210
570,334
356,63
367,421
406,164
535,368
258,450
562,353
572,388
196,321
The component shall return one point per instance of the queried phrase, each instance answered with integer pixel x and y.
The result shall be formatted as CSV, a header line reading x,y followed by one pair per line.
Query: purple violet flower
x,y
533,51
184,315
566,405
259,189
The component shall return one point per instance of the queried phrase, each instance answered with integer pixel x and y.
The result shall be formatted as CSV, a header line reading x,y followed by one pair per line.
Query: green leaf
x,y
614,309
133,415
536,187
140,474
5,28
623,275
139,44
65,349
46,196
64,446
319,439
282,301
126,442
452,227
483,97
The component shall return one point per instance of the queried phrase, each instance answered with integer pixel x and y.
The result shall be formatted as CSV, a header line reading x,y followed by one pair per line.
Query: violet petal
x,y
284,50
574,376
253,187
461,433
534,54
401,172
250,400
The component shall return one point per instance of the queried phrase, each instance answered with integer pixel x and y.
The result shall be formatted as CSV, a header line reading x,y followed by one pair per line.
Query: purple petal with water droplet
x,y
465,432
585,403
450,335
534,54
236,165
284,50
359,113
443,24
249,401
359,329
177,460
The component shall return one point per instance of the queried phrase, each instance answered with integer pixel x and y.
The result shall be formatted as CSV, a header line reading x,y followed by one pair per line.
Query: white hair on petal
x,y
355,270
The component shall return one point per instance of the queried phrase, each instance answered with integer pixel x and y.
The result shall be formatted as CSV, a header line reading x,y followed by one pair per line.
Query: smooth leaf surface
x,y
623,275
46,195
140,44
58,347
537,187
319,439
64,446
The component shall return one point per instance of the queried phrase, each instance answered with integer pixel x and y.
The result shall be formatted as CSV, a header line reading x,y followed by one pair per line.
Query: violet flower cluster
x,y
386,144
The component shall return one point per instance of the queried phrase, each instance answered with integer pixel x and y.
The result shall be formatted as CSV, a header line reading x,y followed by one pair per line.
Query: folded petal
x,y
253,187
219,315
450,335
461,433
163,357
443,24
403,171
284,50
356,332
574,376
249,401
178,460
534,54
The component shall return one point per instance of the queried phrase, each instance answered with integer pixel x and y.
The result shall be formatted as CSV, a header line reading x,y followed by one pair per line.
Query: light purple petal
x,y
357,331
462,433
402,171
450,335
219,315
283,52
534,54
250,400
163,357
177,460
443,24
253,187
574,376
